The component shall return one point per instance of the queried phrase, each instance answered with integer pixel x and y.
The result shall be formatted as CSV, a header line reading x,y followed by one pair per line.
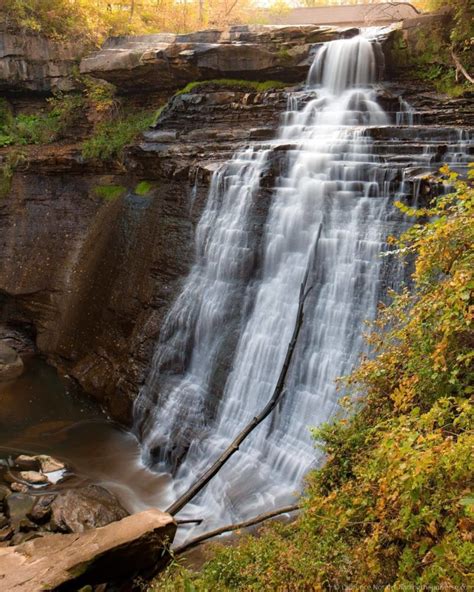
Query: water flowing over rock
x,y
320,194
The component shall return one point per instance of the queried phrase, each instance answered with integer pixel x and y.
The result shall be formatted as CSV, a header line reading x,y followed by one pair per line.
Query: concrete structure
x,y
353,15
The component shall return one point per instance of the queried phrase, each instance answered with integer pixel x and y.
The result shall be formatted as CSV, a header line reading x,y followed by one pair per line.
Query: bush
x,y
39,128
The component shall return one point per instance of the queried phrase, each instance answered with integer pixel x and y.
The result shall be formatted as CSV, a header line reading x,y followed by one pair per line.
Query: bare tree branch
x,y
230,527
460,68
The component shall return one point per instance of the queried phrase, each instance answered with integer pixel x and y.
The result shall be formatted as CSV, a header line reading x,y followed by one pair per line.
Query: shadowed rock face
x,y
132,546
90,278
11,364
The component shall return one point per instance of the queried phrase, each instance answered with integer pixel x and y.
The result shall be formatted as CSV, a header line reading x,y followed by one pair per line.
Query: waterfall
x,y
225,337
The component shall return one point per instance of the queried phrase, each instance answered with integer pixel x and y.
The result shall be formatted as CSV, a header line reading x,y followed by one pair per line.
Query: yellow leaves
x,y
439,356
404,394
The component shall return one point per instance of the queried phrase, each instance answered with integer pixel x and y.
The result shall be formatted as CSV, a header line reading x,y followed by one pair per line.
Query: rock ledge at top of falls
x,y
134,545
168,61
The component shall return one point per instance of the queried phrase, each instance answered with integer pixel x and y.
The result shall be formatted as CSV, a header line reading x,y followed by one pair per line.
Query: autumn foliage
x,y
392,508
97,19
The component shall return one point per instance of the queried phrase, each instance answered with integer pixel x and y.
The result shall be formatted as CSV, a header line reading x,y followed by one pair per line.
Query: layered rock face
x,y
88,278
170,61
30,63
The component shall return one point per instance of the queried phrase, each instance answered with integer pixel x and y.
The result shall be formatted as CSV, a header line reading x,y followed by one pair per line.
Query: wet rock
x,y
6,533
40,513
19,487
11,365
134,545
77,510
19,505
4,493
50,464
34,477
25,462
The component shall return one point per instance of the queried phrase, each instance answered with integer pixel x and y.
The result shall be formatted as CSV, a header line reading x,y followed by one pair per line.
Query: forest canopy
x,y
97,19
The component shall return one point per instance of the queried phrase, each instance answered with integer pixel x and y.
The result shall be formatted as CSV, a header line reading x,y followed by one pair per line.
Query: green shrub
x,y
111,136
42,127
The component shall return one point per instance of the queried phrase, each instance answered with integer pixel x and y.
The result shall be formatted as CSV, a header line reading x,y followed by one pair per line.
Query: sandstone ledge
x,y
132,546
166,61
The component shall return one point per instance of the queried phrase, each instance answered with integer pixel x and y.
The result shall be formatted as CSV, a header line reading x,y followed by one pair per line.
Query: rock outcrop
x,y
89,279
133,546
31,63
165,61
40,495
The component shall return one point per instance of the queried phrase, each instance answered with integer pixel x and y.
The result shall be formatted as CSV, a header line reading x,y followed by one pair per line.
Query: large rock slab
x,y
11,365
164,61
31,63
135,545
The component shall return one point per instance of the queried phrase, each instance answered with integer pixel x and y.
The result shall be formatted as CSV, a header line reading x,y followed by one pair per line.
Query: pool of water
x,y
42,412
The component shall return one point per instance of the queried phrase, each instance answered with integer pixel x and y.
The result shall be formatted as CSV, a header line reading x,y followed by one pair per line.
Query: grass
x,y
42,127
233,83
109,192
111,136
143,188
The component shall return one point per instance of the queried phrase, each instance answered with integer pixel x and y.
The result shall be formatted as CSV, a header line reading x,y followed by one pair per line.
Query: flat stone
x,y
134,545
34,477
50,464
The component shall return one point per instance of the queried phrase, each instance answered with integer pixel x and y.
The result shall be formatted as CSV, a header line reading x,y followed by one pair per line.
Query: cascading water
x,y
225,337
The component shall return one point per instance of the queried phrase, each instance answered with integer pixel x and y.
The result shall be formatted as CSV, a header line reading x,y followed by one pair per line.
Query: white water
x,y
226,335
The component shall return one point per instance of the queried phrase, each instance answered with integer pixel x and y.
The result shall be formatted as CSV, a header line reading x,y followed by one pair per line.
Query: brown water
x,y
44,413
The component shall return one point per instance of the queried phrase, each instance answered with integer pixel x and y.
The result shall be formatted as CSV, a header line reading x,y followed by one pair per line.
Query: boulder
x,y
135,545
11,365
77,510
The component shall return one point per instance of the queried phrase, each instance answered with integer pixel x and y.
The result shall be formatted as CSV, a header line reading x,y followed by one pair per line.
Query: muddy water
x,y
44,413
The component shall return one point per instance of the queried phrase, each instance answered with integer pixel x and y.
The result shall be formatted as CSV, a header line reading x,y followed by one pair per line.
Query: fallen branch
x,y
190,521
272,403
461,68
230,527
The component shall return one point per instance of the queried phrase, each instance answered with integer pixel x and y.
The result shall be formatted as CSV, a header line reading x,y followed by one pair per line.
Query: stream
x,y
42,412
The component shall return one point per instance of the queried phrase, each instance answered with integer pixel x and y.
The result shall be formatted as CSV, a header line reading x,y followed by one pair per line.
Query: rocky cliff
x,y
88,276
